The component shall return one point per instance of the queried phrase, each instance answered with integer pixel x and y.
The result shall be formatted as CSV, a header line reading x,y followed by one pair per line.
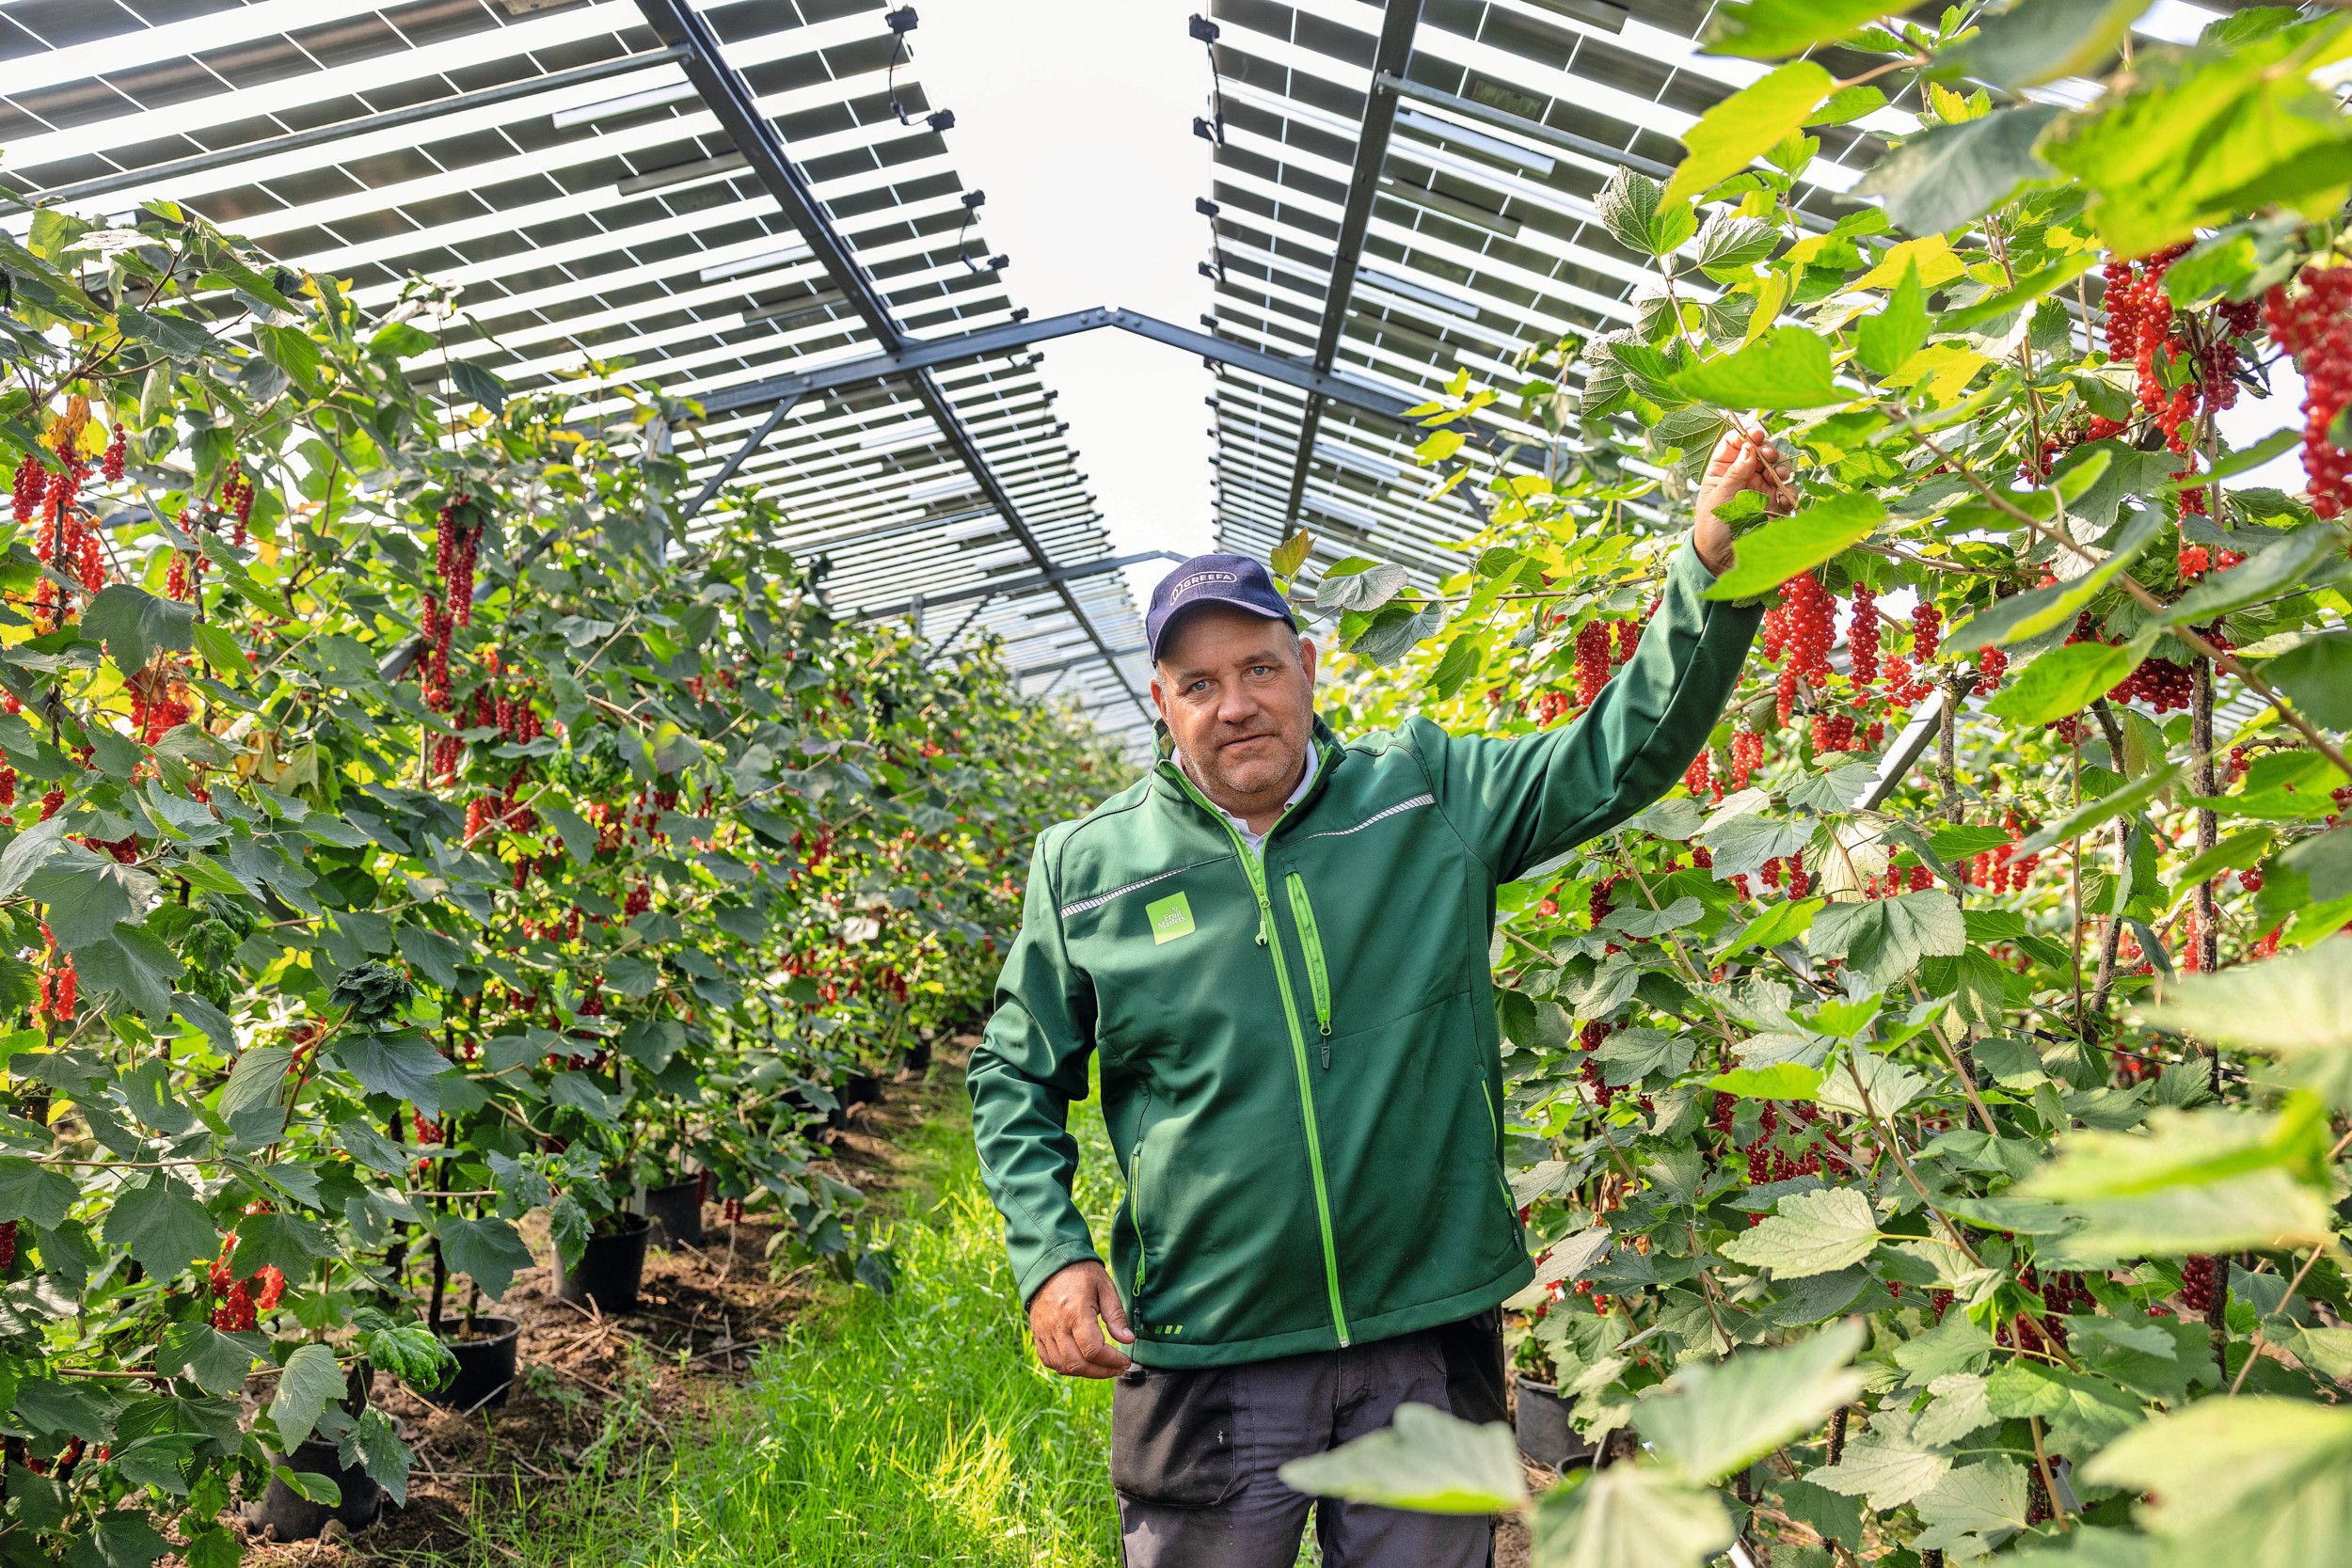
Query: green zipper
x,y
1269,937
1311,940
1135,1210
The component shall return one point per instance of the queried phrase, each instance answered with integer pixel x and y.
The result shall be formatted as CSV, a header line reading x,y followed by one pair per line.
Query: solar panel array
x,y
558,163
1403,189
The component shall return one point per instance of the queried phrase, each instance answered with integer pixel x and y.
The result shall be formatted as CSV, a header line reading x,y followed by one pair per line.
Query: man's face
x,y
1237,691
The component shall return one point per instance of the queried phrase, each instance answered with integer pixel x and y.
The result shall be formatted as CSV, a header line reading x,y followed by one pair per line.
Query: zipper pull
x,y
1261,931
1326,1051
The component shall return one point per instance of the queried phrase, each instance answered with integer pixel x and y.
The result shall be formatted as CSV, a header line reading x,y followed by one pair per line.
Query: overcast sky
x,y
1075,117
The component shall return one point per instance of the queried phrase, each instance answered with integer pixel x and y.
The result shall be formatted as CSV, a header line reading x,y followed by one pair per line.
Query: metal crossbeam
x,y
204,162
680,25
1057,577
989,341
1061,664
1389,54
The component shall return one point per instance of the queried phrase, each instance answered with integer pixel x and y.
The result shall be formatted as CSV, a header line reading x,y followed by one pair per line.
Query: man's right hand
x,y
1067,1317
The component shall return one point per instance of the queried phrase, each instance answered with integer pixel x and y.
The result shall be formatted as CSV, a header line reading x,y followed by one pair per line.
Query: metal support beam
x,y
204,162
1055,578
990,342
1398,21
1061,664
680,26
948,641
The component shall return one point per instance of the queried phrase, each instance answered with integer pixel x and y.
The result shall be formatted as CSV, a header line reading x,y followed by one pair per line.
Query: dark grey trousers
x,y
1194,1453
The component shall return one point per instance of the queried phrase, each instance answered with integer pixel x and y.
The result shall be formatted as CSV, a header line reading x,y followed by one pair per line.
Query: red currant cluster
x,y
2315,327
1553,705
1810,616
117,456
1589,1039
7,1246
1787,872
2003,870
1897,879
1834,732
455,548
60,985
156,716
639,899
2182,372
1747,755
1699,777
2158,682
732,1210
1992,664
1593,665
2201,1284
1862,636
242,1301
236,497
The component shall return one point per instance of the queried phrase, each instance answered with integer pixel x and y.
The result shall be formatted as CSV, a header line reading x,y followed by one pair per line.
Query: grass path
x,y
913,1429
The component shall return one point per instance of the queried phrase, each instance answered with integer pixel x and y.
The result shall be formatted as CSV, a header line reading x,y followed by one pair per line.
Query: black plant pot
x,y
610,1268
485,1365
288,1515
1545,1436
919,1060
676,1213
861,1089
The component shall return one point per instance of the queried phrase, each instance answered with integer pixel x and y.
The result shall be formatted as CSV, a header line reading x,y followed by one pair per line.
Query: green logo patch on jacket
x,y
1171,917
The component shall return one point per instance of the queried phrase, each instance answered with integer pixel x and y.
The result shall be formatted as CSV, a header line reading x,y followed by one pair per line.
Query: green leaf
x,y
35,1193
375,1446
1713,1419
1883,939
1786,547
2272,1477
135,624
1887,1462
1629,1516
2206,138
1744,126
1945,177
1787,367
1461,661
1987,1499
1779,1081
473,381
1428,1461
1810,1233
2292,1004
215,1362
132,965
1291,554
2065,679
122,1539
1783,922
2038,609
259,1074
2277,567
163,1225
490,1252
2032,43
1765,29
312,1379
1883,342
2083,818
403,1066
2316,677
1366,590
1628,207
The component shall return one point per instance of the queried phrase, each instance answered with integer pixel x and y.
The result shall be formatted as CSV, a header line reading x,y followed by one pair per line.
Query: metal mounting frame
x,y
680,25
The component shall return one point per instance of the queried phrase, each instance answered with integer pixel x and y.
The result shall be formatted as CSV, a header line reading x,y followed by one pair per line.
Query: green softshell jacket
x,y
1300,1066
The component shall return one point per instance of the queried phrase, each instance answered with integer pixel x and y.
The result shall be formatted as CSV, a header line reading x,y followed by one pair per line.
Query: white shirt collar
x,y
1306,781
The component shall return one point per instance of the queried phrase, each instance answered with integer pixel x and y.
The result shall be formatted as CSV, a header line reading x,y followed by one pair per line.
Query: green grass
x,y
916,1428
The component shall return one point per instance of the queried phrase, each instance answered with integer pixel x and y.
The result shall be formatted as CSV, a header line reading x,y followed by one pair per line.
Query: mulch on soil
x,y
592,1389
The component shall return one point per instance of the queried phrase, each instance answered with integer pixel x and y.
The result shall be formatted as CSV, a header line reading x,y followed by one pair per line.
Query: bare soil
x,y
591,1388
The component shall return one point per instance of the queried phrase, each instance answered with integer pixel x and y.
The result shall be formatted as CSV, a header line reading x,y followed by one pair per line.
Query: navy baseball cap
x,y
1229,579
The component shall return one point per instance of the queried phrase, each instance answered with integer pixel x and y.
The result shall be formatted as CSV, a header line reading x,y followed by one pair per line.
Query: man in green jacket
x,y
1278,945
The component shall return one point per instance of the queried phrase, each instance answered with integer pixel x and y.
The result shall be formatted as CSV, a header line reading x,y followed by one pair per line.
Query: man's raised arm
x,y
1521,803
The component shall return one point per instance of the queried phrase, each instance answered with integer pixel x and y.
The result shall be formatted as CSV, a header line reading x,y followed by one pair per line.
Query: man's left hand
x,y
1741,462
